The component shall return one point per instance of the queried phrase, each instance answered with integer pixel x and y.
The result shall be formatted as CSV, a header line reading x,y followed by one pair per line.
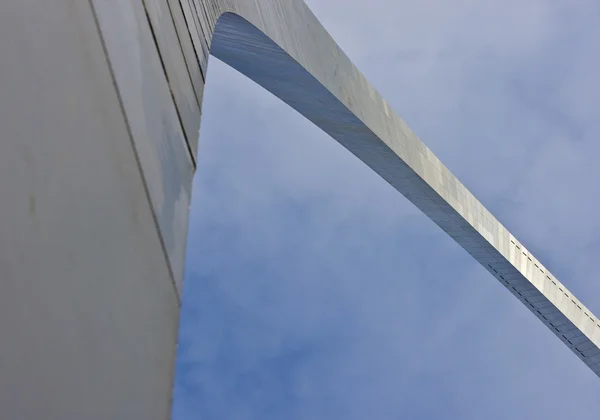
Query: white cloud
x,y
315,291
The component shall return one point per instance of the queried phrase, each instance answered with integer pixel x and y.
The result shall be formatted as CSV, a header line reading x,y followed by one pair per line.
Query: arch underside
x,y
281,46
289,53
100,105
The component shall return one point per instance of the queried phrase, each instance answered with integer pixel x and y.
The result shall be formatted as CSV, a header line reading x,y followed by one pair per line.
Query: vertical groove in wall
x,y
136,154
166,74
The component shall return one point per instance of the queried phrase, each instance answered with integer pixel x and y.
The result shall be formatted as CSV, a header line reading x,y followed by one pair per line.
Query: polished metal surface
x,y
100,105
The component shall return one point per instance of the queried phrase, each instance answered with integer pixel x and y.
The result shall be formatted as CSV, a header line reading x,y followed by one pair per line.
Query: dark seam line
x,y
135,153
175,26
187,66
169,84
205,7
207,38
190,4
196,20
208,16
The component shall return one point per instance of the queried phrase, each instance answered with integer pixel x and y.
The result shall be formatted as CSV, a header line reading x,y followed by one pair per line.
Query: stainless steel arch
x,y
100,107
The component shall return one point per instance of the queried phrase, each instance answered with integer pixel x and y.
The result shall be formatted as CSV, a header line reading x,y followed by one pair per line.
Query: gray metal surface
x,y
88,311
287,51
100,105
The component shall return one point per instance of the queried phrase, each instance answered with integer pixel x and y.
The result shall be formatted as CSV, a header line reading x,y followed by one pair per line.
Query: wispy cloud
x,y
313,290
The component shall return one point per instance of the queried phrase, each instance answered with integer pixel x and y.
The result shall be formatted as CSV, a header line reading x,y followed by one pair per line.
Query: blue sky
x,y
313,290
